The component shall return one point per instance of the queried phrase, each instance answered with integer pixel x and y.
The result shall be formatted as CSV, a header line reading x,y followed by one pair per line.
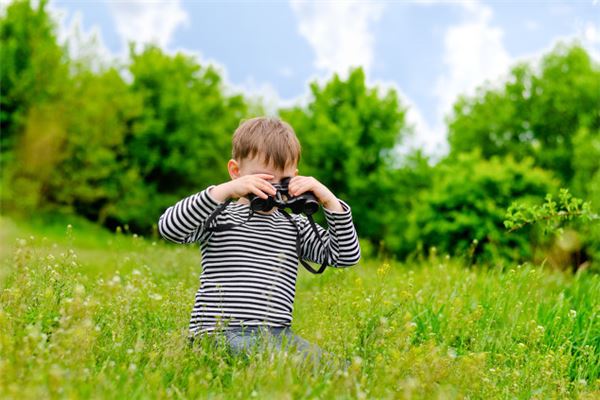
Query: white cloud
x,y
81,45
3,5
421,134
473,53
144,21
589,36
265,92
85,46
339,32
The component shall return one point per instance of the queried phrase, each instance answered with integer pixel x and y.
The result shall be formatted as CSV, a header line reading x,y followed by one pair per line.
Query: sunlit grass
x,y
95,317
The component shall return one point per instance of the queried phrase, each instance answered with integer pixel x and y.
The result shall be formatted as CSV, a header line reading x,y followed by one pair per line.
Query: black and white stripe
x,y
249,272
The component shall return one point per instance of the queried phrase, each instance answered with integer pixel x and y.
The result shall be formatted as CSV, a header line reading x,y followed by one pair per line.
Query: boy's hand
x,y
301,184
240,187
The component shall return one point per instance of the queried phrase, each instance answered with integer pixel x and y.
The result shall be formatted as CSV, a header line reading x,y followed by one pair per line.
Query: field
x,y
86,313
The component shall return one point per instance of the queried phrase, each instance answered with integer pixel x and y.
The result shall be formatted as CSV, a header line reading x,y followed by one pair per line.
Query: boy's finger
x,y
265,176
305,187
267,187
298,187
259,193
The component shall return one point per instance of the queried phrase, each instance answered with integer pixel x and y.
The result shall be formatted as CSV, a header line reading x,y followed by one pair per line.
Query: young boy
x,y
249,271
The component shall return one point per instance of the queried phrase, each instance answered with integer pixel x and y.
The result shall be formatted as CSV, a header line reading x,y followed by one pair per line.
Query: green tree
x,y
94,171
536,113
413,177
33,68
181,142
463,212
33,77
348,132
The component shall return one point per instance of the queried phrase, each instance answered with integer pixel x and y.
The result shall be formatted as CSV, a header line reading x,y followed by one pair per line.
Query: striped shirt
x,y
249,272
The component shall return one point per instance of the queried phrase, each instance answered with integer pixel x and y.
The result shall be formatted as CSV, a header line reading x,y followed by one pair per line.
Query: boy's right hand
x,y
258,184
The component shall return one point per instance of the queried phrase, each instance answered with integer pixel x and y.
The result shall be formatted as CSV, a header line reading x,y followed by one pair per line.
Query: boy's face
x,y
251,166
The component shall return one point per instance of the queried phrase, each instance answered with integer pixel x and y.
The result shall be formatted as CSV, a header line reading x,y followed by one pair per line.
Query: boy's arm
x,y
339,243
183,222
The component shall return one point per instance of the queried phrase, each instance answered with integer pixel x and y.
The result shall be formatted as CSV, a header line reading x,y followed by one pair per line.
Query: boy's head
x,y
264,145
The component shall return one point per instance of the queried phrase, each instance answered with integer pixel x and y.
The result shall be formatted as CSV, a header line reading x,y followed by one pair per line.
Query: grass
x,y
85,313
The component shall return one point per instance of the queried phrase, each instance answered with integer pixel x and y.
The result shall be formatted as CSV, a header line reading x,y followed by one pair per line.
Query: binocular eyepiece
x,y
305,203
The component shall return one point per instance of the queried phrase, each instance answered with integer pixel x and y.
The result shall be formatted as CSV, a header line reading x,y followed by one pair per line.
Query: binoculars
x,y
305,203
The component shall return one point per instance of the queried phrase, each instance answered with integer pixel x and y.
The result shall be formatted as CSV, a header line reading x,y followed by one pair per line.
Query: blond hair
x,y
270,138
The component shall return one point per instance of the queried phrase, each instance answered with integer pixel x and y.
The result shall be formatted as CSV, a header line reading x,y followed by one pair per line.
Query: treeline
x,y
121,143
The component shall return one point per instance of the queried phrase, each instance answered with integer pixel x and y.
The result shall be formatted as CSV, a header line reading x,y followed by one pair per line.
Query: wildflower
x,y
452,352
155,296
356,361
79,289
383,270
541,329
572,313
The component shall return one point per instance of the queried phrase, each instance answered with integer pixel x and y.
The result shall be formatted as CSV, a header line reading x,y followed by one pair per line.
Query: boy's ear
x,y
234,169
296,172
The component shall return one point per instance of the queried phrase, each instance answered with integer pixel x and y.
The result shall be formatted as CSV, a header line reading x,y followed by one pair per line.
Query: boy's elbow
x,y
166,234
349,260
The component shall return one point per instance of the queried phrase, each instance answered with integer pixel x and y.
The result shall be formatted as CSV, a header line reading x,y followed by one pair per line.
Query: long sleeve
x,y
183,222
339,241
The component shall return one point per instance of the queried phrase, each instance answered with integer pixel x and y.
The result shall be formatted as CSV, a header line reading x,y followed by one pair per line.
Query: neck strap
x,y
220,228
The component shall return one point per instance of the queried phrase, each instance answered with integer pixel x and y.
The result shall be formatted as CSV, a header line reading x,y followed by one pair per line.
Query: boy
x,y
249,271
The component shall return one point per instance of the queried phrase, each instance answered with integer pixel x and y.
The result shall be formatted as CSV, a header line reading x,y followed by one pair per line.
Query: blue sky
x,y
429,51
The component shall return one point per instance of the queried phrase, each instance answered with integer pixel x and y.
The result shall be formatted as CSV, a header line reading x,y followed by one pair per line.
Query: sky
x,y
429,51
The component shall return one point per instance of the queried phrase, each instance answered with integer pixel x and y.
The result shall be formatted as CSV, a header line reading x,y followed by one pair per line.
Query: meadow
x,y
86,313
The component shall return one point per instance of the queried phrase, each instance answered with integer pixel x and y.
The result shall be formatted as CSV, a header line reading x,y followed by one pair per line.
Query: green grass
x,y
85,313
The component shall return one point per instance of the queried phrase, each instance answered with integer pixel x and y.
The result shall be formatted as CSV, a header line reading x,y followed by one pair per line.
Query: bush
x,y
463,212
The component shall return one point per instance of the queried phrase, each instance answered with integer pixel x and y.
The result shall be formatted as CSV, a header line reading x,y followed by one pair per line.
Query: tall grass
x,y
110,322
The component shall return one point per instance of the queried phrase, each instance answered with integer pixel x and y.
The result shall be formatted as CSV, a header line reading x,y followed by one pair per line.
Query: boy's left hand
x,y
301,184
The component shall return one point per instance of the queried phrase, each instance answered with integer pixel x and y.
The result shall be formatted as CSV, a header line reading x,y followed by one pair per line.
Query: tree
x,y
463,212
536,113
348,132
33,78
94,172
181,142
33,67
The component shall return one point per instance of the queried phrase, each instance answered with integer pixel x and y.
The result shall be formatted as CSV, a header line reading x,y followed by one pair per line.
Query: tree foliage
x,y
463,212
348,132
536,113
121,143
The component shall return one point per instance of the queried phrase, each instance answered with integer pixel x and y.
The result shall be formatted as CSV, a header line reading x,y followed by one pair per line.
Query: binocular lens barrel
x,y
259,204
305,203
311,207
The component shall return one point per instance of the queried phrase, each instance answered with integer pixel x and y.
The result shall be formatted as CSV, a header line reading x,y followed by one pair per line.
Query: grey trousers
x,y
259,338
250,339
